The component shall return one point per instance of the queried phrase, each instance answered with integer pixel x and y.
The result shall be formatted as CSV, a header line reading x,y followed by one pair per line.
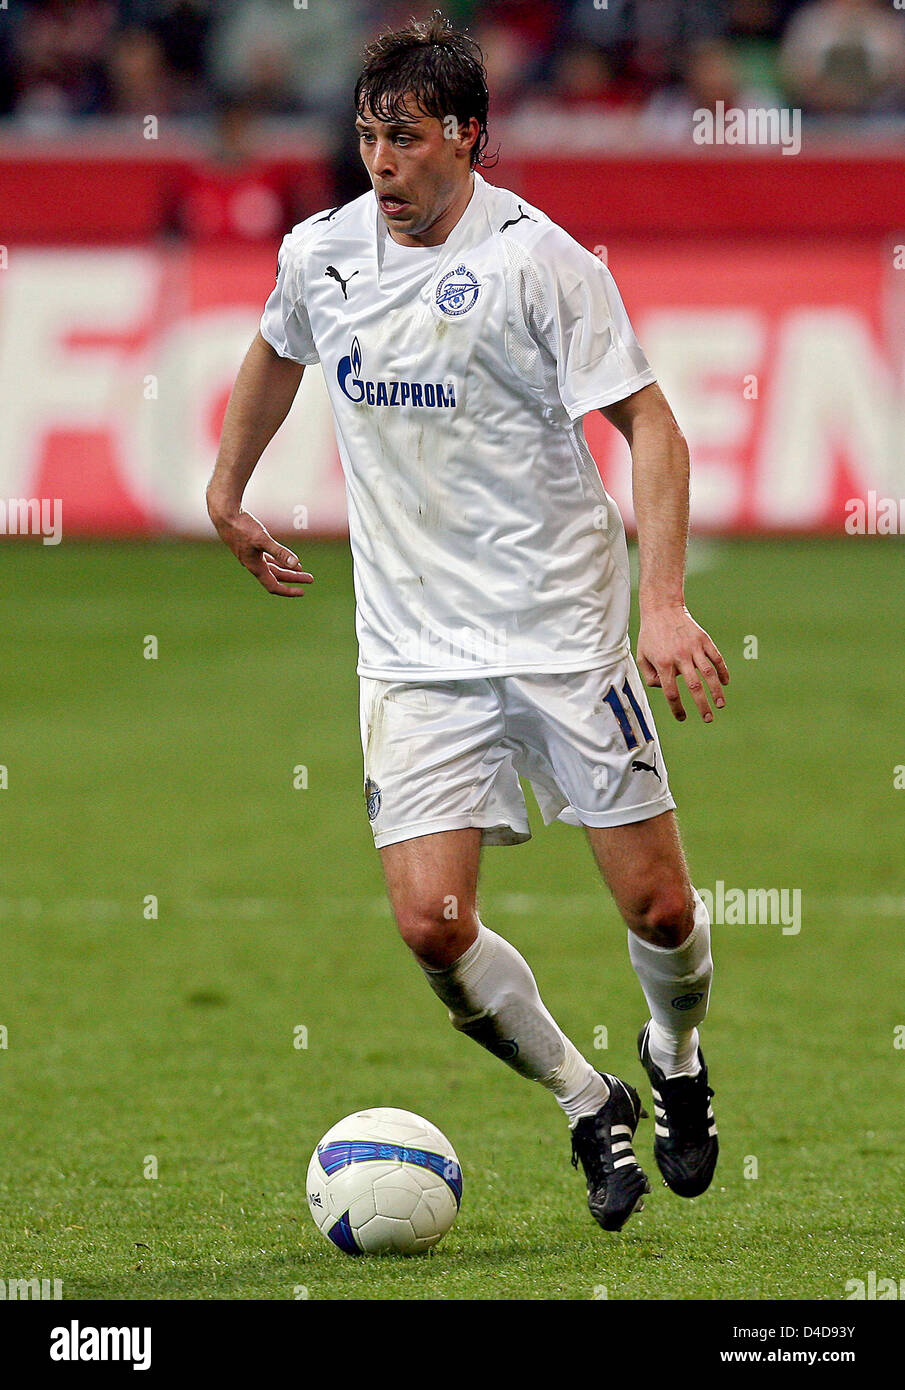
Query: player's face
x,y
421,177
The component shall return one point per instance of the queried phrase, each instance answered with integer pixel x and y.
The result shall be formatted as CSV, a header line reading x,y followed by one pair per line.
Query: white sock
x,y
492,996
676,983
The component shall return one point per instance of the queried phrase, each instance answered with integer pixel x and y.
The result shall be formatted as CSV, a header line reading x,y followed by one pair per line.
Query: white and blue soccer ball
x,y
384,1180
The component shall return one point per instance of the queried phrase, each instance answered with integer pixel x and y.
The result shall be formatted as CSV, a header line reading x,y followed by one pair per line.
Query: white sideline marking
x,y
254,909
876,905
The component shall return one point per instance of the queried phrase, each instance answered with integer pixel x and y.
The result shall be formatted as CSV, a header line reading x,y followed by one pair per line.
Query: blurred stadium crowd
x,y
651,60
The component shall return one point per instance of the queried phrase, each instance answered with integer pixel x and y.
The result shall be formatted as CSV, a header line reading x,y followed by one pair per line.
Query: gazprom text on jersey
x,y
393,392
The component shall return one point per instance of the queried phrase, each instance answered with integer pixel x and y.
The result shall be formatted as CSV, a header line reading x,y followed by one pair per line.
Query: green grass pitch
x,y
131,1039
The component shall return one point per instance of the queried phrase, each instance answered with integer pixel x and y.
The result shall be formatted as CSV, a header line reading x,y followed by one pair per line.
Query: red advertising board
x,y
782,360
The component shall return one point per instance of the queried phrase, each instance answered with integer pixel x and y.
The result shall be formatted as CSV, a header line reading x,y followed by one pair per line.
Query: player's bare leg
x,y
492,996
432,883
669,945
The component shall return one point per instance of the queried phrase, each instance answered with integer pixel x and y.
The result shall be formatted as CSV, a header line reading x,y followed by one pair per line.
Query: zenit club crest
x,y
458,292
372,797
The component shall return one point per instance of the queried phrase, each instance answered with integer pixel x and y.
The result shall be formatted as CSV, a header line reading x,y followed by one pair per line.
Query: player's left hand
x,y
672,644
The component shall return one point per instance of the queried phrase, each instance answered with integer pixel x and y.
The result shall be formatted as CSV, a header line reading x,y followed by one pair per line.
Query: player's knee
x,y
662,913
435,936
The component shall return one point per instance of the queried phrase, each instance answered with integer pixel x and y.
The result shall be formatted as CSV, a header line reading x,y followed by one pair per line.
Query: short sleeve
x,y
284,323
574,309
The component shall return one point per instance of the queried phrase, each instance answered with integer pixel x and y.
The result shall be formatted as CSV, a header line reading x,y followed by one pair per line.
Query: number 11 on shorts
x,y
618,708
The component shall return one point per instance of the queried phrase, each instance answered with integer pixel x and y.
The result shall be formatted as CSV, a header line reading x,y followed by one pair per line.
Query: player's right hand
x,y
278,569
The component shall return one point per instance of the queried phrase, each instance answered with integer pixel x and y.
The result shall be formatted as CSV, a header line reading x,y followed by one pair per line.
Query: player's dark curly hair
x,y
441,67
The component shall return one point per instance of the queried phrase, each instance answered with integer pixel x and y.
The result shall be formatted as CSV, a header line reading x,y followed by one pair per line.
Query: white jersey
x,y
483,540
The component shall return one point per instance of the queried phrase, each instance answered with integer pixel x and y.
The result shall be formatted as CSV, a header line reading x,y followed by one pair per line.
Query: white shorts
x,y
446,755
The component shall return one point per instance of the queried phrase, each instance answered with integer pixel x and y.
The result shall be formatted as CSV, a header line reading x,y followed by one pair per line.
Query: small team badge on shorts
x,y
372,798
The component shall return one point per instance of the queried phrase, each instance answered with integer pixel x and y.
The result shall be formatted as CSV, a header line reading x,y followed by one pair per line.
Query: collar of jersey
x,y
454,243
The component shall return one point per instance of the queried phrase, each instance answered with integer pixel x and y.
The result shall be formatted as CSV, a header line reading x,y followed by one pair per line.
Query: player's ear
x,y
469,133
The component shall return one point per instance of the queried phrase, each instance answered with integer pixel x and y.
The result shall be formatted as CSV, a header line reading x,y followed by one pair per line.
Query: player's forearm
x,y
660,473
261,397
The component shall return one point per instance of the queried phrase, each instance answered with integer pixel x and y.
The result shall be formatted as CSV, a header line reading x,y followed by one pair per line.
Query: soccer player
x,y
463,335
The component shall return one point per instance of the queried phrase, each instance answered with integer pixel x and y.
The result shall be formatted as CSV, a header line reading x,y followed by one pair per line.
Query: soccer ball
x,y
384,1180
